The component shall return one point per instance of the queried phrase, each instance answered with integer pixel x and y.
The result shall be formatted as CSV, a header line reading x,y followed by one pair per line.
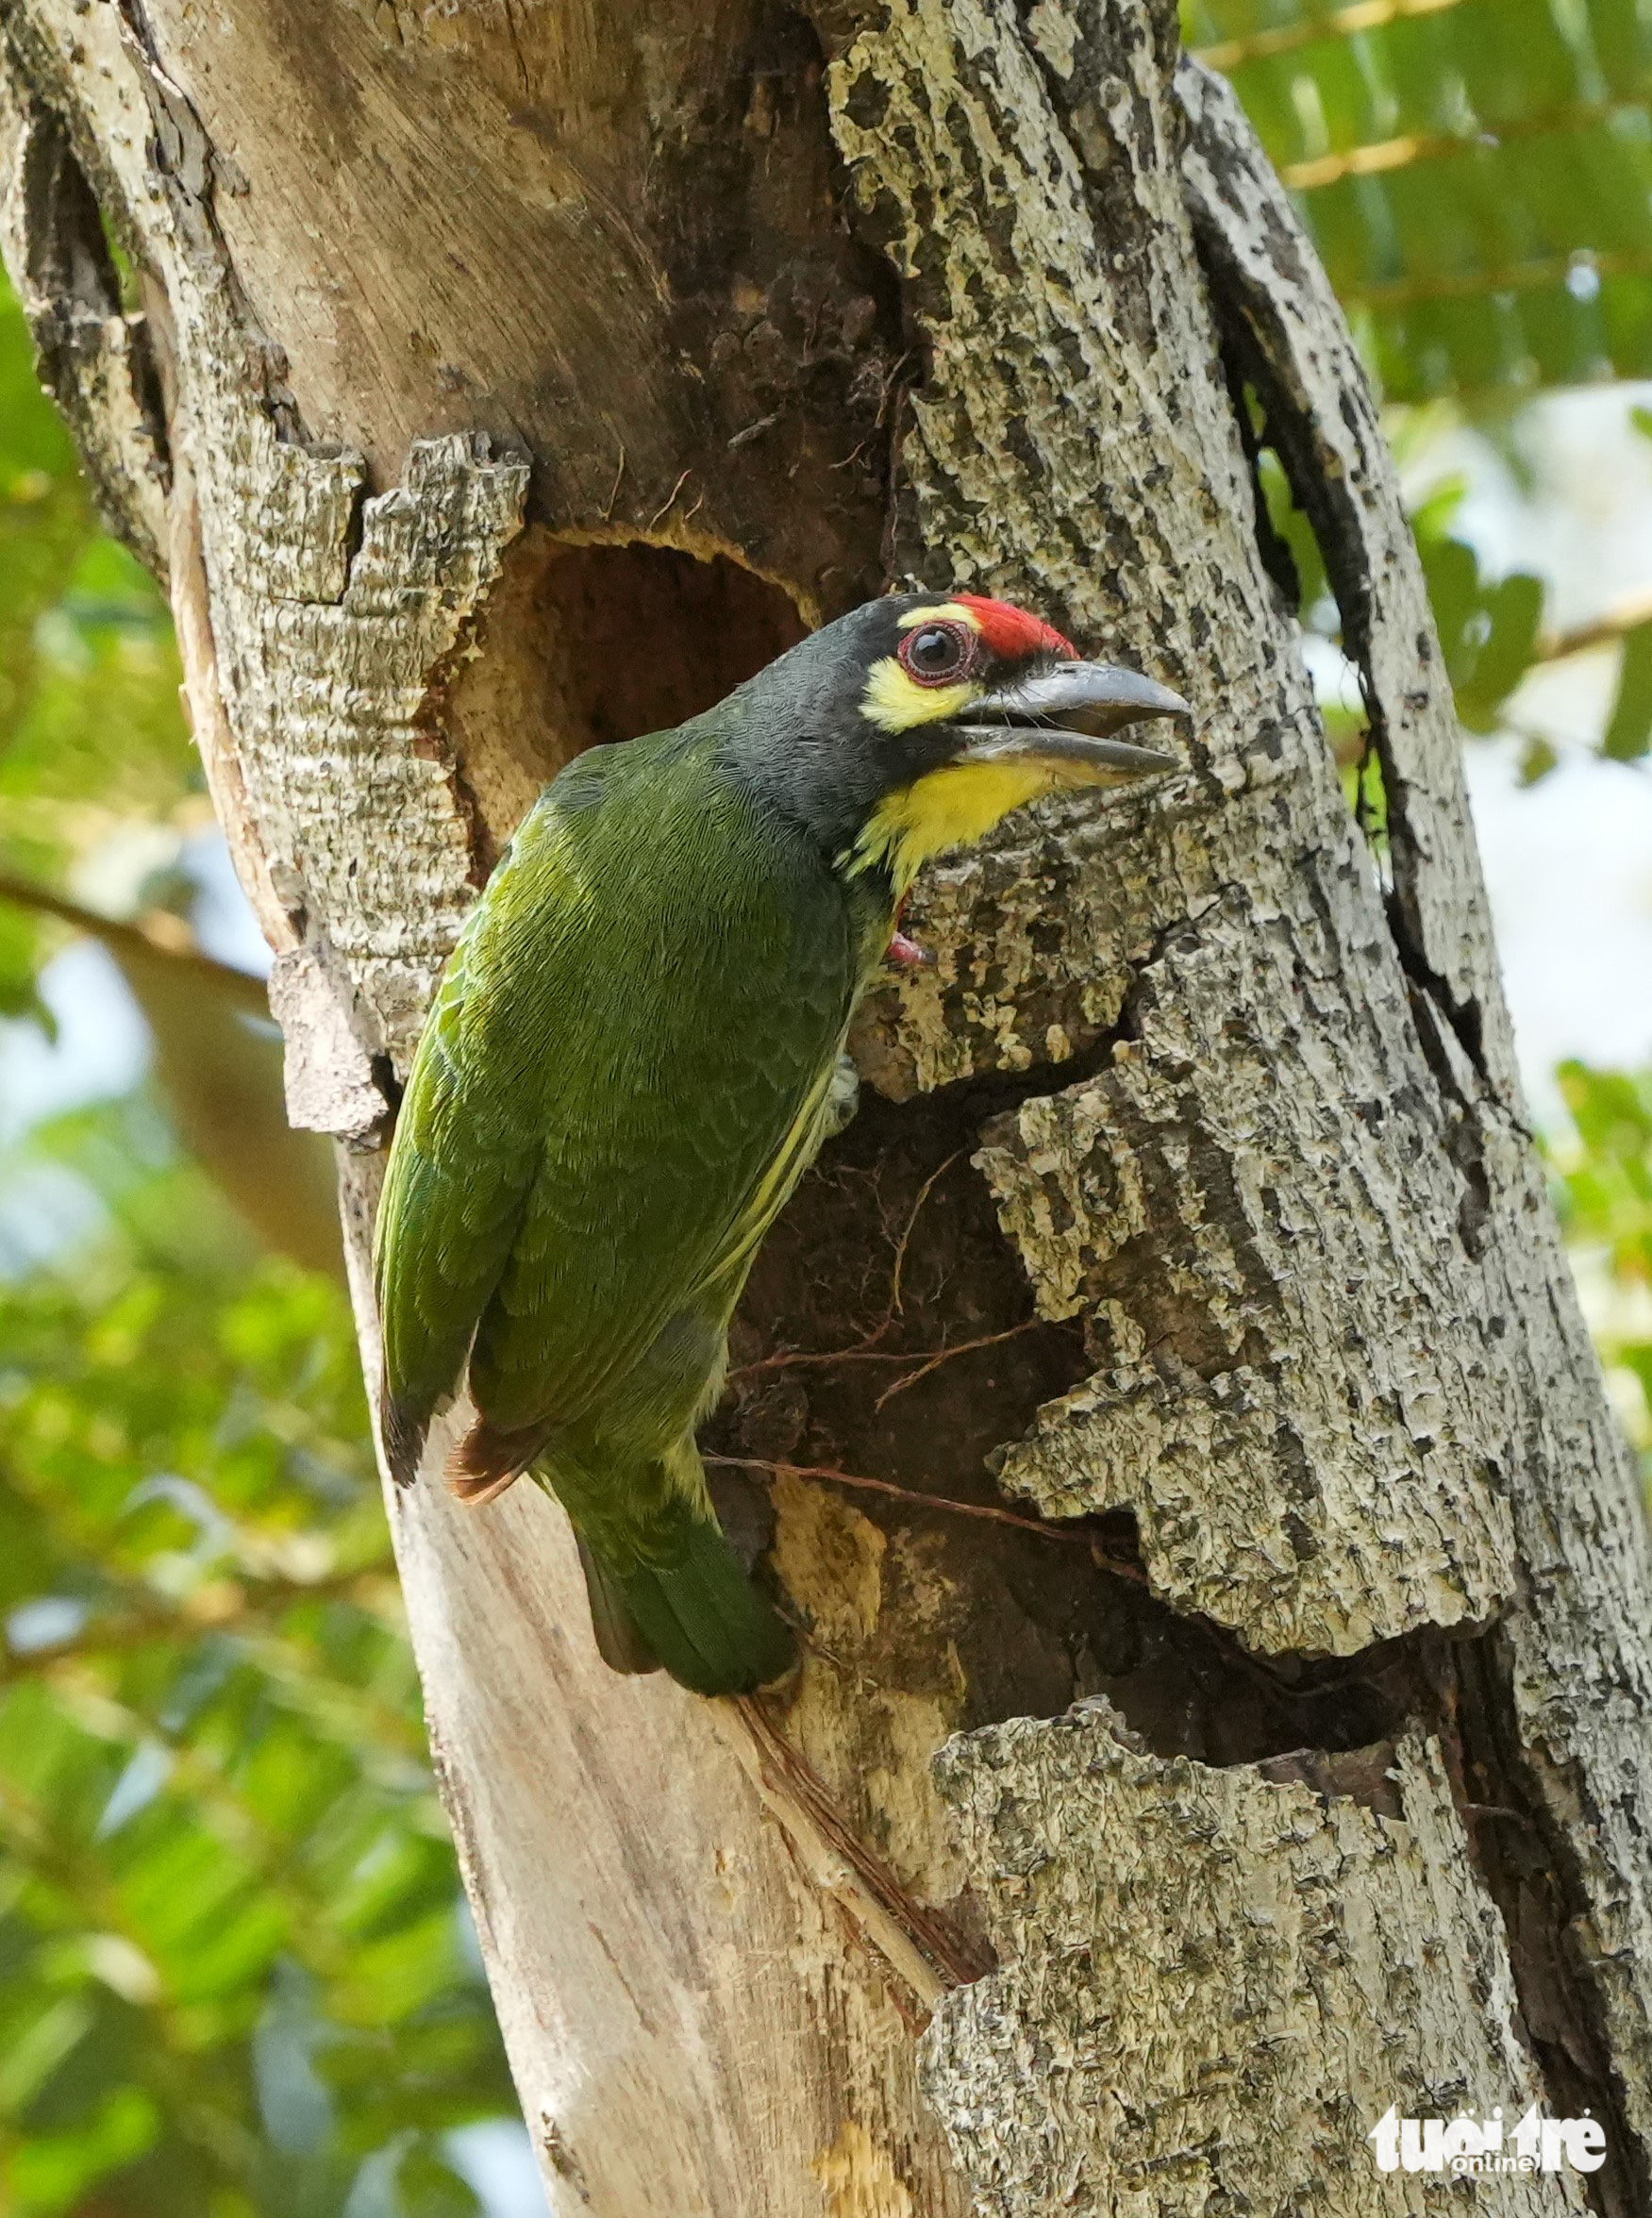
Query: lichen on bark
x,y
1232,1193
1216,1983
1341,1378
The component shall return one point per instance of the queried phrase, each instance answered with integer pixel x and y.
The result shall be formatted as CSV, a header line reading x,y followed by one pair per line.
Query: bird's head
x,y
915,722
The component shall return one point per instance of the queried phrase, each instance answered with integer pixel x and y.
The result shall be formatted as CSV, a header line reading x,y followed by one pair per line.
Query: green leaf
x,y
53,2171
187,1459
1478,177
1629,731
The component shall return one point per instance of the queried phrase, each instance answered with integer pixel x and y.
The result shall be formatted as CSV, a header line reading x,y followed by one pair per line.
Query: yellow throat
x,y
952,807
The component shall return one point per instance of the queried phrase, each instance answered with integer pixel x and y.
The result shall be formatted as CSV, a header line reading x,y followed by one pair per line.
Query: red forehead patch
x,y
1011,632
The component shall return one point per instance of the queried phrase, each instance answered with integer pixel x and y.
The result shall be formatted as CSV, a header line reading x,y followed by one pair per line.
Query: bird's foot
x,y
906,955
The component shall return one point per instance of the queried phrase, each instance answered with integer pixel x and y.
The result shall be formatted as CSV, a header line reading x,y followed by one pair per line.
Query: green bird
x,y
637,1047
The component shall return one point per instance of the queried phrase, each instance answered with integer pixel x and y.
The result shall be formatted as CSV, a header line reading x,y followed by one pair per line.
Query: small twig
x,y
614,490
753,431
925,1360
255,1606
919,1945
1122,1565
901,1493
665,507
1604,630
962,1348
865,1349
160,939
900,1251
789,1359
853,457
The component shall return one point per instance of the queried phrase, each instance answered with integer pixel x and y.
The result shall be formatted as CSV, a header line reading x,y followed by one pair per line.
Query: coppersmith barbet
x,y
635,1053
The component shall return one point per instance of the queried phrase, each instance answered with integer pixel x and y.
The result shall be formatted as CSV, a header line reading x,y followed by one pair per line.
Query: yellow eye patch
x,y
895,703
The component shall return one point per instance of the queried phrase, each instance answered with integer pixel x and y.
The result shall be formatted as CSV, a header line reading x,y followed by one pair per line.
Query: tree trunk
x,y
512,375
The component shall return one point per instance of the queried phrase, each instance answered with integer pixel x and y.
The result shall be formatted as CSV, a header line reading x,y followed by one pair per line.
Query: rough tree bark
x,y
508,376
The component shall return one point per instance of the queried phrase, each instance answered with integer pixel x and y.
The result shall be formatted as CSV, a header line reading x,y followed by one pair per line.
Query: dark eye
x,y
936,653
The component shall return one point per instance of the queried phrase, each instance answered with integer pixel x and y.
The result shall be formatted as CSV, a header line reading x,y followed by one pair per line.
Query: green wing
x,y
620,1082
461,1170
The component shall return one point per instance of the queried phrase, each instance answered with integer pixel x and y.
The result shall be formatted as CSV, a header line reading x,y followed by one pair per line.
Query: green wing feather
x,y
453,1197
622,1078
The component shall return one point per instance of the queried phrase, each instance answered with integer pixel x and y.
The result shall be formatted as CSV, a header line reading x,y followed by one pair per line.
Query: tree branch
x,y
157,939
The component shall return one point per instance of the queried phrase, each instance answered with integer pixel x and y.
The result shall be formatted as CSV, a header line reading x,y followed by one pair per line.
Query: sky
x,y
1568,861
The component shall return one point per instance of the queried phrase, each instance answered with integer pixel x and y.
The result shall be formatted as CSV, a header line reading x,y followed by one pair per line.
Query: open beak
x,y
1068,715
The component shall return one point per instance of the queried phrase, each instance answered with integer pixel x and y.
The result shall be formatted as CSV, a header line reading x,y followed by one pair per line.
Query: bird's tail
x,y
692,1608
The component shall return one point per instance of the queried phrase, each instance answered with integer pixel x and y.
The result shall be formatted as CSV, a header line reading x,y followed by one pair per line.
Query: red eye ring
x,y
938,652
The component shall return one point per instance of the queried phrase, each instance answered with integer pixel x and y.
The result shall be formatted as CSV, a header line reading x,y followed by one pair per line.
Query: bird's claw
x,y
843,1098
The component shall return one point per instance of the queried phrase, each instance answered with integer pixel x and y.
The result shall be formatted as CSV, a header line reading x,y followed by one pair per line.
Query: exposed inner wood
x,y
581,645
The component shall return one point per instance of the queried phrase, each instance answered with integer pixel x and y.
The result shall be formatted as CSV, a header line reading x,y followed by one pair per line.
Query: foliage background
x,y
235,1972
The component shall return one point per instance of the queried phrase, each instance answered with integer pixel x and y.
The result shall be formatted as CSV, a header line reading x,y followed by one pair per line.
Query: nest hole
x,y
650,636
585,645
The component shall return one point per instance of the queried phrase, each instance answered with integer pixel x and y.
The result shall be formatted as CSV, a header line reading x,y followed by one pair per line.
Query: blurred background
x,y
237,1977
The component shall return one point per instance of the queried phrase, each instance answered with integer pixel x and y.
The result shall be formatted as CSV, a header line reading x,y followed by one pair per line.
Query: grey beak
x,y
1069,714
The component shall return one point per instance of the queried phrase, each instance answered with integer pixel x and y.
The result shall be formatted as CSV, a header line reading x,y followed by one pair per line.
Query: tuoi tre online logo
x,y
1466,2145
